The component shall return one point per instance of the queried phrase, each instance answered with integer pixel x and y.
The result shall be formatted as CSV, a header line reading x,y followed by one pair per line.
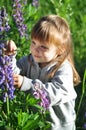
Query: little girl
x,y
50,68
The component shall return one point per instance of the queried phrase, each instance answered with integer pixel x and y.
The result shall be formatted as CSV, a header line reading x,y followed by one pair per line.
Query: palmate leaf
x,y
22,118
36,124
31,124
26,121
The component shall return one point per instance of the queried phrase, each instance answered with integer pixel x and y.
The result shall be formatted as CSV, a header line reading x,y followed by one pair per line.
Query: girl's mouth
x,y
36,56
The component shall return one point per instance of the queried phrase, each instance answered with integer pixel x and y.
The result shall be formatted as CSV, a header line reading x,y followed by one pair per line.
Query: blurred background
x,y
23,14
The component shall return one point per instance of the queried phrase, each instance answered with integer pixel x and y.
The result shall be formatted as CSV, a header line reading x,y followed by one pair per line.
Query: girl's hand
x,y
18,80
10,48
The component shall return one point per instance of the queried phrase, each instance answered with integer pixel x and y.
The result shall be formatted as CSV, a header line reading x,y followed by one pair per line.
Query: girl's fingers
x,y
15,77
10,47
18,79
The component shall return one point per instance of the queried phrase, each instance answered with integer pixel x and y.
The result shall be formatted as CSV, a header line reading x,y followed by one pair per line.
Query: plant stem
x,y
8,109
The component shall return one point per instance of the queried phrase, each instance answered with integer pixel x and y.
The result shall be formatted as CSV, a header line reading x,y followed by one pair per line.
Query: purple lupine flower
x,y
4,26
25,2
42,95
2,76
84,123
18,17
85,114
35,3
84,126
6,78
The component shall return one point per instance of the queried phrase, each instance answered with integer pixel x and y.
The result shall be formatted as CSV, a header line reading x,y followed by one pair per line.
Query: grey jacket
x,y
60,88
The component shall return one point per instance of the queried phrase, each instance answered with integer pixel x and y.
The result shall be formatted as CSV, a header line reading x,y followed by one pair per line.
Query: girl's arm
x,y
59,89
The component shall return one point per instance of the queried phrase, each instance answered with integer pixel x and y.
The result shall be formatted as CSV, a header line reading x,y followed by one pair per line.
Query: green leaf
x,y
2,123
22,118
31,124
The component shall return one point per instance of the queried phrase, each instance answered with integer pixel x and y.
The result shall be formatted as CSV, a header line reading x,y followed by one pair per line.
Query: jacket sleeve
x,y
16,70
23,65
20,66
61,88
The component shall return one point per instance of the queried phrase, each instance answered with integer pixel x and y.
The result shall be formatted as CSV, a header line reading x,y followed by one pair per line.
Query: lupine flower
x,y
85,126
4,26
42,95
6,78
18,17
25,2
84,123
35,3
4,20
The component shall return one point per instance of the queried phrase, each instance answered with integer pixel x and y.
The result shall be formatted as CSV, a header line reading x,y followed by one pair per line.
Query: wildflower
x,y
25,2
85,114
42,95
35,3
4,26
85,126
6,78
84,121
18,17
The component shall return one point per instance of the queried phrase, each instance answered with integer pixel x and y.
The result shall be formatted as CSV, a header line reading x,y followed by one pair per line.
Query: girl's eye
x,y
33,43
44,47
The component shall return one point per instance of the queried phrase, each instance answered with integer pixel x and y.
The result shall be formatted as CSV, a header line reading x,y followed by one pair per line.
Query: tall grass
x,y
83,93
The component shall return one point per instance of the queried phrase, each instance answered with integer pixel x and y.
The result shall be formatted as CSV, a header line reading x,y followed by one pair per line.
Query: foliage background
x,y
75,13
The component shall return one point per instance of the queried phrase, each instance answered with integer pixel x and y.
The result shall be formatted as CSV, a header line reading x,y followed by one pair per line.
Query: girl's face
x,y
43,53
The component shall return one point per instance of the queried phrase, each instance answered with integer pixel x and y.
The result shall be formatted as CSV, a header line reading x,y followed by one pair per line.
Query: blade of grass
x,y
83,91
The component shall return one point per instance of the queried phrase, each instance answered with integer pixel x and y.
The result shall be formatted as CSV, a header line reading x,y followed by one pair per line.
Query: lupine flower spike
x,y
18,18
6,79
35,3
4,26
42,95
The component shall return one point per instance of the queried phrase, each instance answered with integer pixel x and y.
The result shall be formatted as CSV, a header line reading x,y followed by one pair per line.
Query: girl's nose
x,y
36,49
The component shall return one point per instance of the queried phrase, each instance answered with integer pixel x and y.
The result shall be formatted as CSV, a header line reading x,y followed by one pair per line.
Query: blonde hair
x,y
53,29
